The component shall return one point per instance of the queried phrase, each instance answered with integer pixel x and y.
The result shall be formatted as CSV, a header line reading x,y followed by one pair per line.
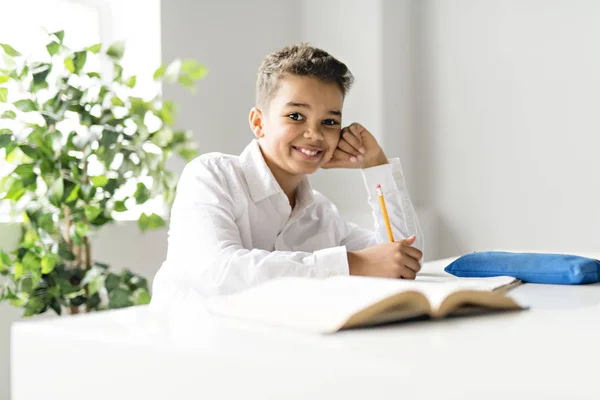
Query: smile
x,y
309,154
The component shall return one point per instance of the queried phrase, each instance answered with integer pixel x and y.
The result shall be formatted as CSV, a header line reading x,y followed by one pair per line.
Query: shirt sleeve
x,y
401,212
205,250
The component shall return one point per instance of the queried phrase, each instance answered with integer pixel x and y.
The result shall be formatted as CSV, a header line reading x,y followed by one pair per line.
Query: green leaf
x,y
141,296
18,270
64,252
78,300
55,305
142,194
119,298
155,221
167,112
25,105
40,73
27,285
31,152
9,114
60,35
93,301
131,82
99,181
159,73
117,102
36,276
57,191
95,48
79,59
53,48
118,73
101,265
73,195
138,281
91,212
16,191
24,72
94,75
81,229
188,154
186,81
46,222
119,206
94,279
126,276
3,79
9,50
3,94
143,222
5,139
31,262
48,265
116,50
5,259
88,192
112,282
69,64
25,171
194,69
31,237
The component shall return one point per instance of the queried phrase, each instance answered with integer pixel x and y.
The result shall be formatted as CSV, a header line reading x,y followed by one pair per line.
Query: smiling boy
x,y
238,221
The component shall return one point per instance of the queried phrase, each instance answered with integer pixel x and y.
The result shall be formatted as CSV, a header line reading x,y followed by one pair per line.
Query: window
x,y
86,22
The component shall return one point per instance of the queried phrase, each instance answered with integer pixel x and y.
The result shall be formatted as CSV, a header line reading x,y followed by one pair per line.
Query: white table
x,y
550,351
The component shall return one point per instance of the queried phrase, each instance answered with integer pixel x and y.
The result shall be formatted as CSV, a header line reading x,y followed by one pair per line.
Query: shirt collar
x,y
262,183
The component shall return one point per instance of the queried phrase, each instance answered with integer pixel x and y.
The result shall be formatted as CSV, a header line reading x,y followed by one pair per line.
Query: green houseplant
x,y
78,139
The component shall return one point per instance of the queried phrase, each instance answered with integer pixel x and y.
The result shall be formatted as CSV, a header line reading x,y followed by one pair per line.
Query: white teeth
x,y
308,152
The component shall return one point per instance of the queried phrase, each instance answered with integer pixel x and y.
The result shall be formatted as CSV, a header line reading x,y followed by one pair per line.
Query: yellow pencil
x,y
385,214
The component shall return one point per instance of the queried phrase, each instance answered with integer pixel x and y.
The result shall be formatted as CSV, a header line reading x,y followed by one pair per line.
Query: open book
x,y
343,302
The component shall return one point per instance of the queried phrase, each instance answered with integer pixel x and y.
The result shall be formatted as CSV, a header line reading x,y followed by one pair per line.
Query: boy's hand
x,y
357,148
387,260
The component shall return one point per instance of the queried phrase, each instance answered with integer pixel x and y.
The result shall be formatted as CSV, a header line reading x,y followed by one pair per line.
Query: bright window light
x,y
87,22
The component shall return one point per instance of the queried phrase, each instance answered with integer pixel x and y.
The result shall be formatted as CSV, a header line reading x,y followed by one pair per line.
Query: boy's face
x,y
300,129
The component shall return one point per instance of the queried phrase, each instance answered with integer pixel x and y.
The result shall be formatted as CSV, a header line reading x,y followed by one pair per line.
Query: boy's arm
x,y
400,209
205,248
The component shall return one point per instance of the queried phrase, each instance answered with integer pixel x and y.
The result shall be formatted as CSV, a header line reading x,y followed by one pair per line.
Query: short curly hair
x,y
301,60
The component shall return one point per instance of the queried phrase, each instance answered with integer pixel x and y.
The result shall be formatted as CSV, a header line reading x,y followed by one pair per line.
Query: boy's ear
x,y
256,122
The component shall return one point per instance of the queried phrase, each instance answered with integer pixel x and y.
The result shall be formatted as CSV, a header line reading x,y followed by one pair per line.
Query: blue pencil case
x,y
558,269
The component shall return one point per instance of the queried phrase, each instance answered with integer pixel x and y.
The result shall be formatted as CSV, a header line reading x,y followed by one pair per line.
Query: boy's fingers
x,y
412,264
407,273
355,130
412,252
344,156
409,240
348,148
351,139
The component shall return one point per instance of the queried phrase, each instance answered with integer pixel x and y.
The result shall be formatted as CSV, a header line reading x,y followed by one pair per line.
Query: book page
x,y
436,289
315,304
325,304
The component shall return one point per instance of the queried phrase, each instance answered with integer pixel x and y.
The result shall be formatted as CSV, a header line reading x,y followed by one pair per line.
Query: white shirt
x,y
232,226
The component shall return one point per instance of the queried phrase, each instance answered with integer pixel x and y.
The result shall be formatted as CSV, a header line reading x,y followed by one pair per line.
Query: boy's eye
x,y
295,117
331,122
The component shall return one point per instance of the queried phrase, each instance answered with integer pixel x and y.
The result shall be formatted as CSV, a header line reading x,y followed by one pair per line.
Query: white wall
x,y
508,128
374,38
230,38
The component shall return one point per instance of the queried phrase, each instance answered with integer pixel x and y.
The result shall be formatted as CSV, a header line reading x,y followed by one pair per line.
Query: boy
x,y
240,221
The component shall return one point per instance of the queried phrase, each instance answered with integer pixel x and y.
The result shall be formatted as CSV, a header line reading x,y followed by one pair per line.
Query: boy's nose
x,y
312,133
